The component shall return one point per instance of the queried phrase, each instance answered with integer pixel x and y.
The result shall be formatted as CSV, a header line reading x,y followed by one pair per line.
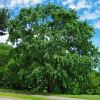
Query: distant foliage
x,y
3,20
4,59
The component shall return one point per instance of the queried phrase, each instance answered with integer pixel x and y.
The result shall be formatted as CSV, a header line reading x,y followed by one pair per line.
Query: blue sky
x,y
86,9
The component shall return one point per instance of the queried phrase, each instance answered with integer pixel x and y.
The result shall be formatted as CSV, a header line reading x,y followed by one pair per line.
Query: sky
x,y
86,9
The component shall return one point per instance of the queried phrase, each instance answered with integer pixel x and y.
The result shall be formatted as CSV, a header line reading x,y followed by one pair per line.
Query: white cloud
x,y
97,25
83,4
4,38
18,2
65,2
13,3
80,5
36,1
72,6
1,6
90,15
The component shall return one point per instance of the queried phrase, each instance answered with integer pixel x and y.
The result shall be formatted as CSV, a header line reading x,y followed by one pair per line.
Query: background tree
x,y
53,53
96,82
4,59
3,20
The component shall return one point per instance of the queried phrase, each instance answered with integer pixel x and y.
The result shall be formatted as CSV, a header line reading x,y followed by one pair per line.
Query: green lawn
x,y
18,94
27,96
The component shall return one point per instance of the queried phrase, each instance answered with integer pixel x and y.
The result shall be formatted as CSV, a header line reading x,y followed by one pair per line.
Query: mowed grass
x,y
86,97
26,95
20,95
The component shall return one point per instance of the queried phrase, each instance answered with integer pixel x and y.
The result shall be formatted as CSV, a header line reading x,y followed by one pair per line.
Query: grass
x,y
25,95
9,93
86,97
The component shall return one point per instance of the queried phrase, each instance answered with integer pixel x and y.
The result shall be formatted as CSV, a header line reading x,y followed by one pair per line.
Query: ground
x,y
8,94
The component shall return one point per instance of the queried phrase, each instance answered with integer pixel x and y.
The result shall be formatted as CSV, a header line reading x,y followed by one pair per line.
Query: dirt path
x,y
47,97
1,98
7,98
57,98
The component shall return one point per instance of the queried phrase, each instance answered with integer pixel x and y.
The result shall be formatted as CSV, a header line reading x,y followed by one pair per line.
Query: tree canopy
x,y
53,51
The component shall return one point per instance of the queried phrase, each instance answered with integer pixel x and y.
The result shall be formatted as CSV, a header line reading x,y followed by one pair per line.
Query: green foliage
x,y
96,82
3,20
4,59
53,53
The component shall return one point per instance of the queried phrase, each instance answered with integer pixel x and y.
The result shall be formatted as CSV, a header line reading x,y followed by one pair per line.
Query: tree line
x,y
53,54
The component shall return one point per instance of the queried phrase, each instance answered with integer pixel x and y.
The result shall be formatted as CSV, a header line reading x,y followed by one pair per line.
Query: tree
x,y
4,59
96,82
3,20
54,52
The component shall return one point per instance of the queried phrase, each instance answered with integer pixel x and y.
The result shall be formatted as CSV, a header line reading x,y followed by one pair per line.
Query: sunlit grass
x,y
18,94
25,95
